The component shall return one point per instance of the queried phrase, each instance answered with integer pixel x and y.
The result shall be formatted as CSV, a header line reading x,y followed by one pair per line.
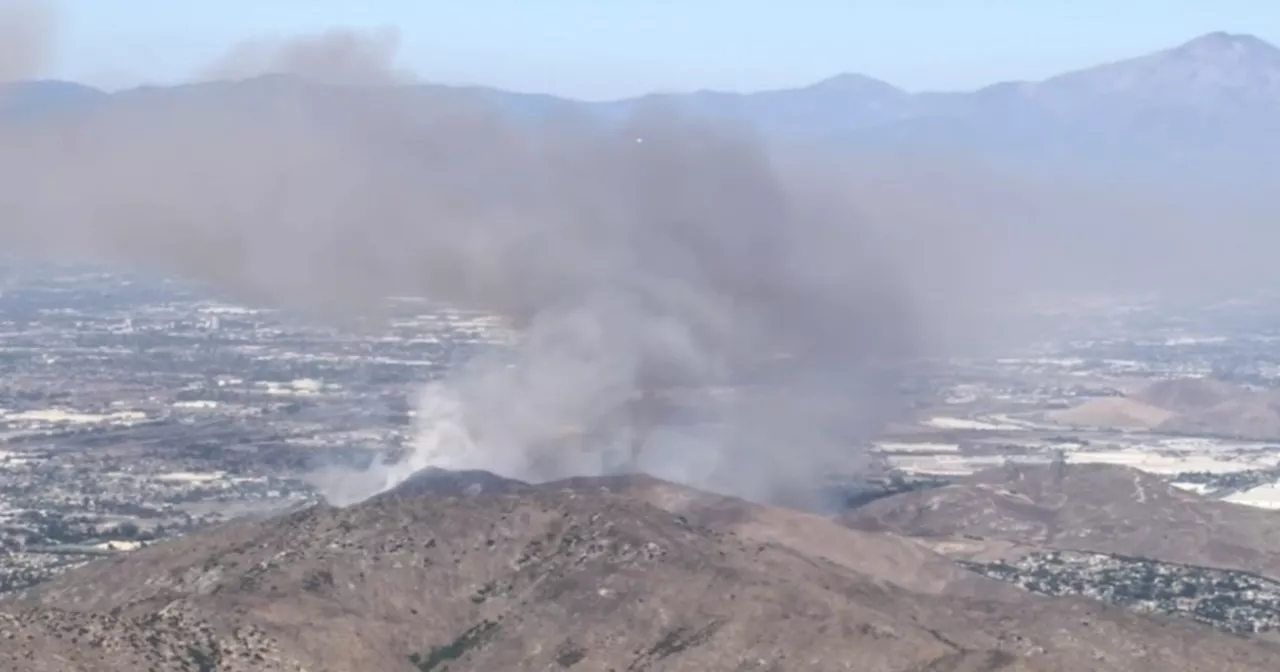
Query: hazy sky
x,y
608,48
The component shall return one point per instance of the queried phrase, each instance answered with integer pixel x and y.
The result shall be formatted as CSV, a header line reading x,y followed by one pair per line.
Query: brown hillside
x,y
577,578
1103,508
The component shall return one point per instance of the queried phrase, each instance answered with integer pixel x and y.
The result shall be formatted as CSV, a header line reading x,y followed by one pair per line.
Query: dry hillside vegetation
x,y
896,559
1183,406
578,576
1103,508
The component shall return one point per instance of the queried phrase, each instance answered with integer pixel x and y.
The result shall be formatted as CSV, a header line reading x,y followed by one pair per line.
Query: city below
x,y
136,410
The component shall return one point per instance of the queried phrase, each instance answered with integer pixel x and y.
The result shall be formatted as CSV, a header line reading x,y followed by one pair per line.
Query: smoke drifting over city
x,y
642,261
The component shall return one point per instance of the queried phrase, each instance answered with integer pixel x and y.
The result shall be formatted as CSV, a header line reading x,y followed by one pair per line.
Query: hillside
x,y
1198,406
569,576
1189,395
889,558
1099,508
1112,413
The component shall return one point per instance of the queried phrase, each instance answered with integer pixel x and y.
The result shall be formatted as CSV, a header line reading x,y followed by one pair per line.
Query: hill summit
x,y
583,575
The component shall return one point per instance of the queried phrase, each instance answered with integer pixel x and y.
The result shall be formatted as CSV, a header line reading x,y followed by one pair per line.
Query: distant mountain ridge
x,y
20,100
1209,103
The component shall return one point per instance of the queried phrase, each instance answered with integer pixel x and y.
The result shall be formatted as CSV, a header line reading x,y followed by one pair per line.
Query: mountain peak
x,y
854,83
1221,45
1218,70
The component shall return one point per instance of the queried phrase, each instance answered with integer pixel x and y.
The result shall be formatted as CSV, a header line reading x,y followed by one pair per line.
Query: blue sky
x,y
610,48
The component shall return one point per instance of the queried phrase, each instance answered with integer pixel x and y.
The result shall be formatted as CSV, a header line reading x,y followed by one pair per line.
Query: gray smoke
x,y
691,304
337,56
26,38
648,265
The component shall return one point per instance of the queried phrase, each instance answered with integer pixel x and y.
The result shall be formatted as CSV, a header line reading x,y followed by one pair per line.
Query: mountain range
x,y
1211,105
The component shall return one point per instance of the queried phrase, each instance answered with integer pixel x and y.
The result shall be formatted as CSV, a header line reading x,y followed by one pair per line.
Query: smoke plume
x,y
338,56
26,38
691,304
656,268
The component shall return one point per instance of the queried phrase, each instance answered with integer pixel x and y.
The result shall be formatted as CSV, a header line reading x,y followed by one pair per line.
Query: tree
x,y
127,531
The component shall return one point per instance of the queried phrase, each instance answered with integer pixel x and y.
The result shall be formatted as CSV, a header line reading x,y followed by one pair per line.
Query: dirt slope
x,y
579,577
1104,508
